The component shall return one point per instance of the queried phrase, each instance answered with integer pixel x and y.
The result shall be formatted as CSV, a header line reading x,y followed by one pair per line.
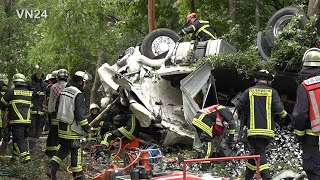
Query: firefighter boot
x,y
52,170
78,175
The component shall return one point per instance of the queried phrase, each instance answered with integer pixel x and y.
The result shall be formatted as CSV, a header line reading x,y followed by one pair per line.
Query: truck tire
x,y
263,46
155,44
280,19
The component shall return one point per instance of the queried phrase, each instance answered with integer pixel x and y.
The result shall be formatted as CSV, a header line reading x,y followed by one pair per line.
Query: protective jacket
x,y
38,98
200,29
304,111
72,114
18,102
260,103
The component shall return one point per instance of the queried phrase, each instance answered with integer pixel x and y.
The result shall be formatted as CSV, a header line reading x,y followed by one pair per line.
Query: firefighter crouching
x,y
209,124
126,123
260,103
18,102
306,116
72,125
52,145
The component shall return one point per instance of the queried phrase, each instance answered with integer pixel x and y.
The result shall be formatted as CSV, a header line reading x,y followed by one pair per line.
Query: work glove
x,y
86,128
230,140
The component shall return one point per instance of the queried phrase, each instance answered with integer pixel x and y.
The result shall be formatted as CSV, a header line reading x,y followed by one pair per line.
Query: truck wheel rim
x,y
161,45
281,24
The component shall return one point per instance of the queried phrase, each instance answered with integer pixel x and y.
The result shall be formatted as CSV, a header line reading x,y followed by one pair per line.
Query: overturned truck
x,y
163,89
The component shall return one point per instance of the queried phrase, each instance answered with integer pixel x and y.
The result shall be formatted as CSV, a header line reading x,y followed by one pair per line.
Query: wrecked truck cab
x,y
164,89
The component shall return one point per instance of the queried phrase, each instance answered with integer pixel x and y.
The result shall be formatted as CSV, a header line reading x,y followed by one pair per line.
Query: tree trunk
x,y
257,14
232,10
151,15
96,82
313,7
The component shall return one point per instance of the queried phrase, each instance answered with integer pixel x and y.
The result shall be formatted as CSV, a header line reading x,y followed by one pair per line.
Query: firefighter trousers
x,y
258,147
68,146
52,141
20,147
311,160
37,123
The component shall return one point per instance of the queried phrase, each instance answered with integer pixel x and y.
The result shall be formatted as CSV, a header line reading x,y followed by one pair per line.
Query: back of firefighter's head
x,y
263,76
19,80
191,18
311,62
94,109
80,78
63,74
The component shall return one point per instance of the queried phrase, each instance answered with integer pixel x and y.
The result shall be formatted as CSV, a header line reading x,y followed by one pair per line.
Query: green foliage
x,y
292,43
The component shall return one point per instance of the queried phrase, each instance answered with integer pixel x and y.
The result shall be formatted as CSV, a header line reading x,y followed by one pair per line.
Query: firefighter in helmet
x,y
53,138
72,125
259,103
18,102
209,123
200,29
306,117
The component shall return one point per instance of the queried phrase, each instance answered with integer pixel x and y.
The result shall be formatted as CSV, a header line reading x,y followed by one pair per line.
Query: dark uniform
x,y
260,103
72,124
52,145
209,124
200,29
304,134
3,90
129,129
18,102
38,114
100,128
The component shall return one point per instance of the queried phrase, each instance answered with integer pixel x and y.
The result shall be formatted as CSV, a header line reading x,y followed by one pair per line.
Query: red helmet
x,y
190,16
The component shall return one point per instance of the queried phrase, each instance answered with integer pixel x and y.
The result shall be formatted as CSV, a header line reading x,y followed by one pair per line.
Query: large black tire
x,y
263,46
146,46
280,19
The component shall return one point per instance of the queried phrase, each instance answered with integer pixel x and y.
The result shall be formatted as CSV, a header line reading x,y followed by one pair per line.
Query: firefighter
x,y
53,138
18,102
3,89
306,113
209,125
38,115
259,103
72,125
200,29
126,124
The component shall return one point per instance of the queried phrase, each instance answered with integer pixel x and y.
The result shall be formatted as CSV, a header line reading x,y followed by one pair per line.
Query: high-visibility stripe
x,y
23,121
193,27
202,21
79,158
184,32
265,132
315,107
283,114
251,98
53,148
126,133
309,132
204,127
57,160
4,101
55,122
133,124
208,153
251,166
20,101
233,131
264,167
83,122
299,133
268,110
17,148
203,28
22,93
38,112
76,169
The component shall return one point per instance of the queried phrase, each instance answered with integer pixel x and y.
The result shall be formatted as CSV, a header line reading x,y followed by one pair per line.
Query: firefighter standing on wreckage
x,y
306,116
209,124
259,103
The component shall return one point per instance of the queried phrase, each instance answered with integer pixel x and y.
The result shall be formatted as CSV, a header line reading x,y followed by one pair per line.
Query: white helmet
x,y
85,75
93,105
311,57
